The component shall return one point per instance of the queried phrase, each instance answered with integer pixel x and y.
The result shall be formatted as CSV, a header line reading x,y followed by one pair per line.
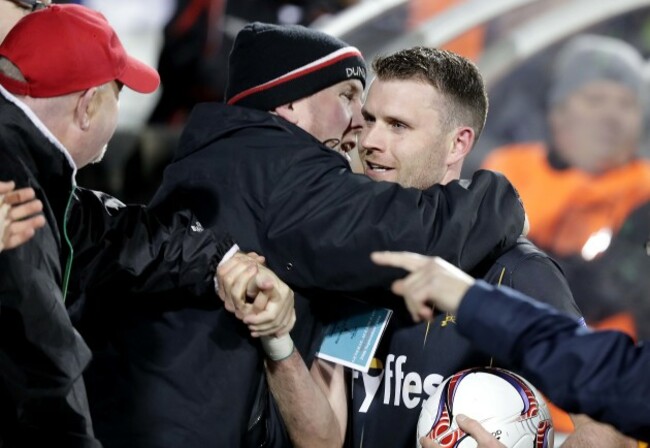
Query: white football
x,y
506,405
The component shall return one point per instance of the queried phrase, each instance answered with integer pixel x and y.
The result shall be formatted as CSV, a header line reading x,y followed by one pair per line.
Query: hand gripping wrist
x,y
277,348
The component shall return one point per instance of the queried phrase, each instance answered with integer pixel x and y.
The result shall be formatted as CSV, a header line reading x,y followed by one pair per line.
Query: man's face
x,y
333,115
598,127
405,138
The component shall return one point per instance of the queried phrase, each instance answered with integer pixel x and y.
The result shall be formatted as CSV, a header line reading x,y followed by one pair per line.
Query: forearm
x,y
306,410
461,225
602,374
596,435
132,247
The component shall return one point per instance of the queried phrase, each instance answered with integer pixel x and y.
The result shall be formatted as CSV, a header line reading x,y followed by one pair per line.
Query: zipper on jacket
x,y
68,264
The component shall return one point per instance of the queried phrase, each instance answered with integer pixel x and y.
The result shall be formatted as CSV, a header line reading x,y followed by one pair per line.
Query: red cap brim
x,y
139,76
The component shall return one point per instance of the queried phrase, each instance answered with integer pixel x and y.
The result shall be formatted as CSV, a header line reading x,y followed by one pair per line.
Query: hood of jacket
x,y
210,122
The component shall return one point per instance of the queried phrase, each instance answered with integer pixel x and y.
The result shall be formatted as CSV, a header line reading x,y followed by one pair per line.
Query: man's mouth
x,y
377,168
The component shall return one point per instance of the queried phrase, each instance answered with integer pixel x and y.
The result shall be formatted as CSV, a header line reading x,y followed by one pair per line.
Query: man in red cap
x,y
58,109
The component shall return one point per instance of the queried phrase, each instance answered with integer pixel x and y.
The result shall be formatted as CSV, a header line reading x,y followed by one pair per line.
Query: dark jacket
x,y
195,380
42,396
602,374
412,360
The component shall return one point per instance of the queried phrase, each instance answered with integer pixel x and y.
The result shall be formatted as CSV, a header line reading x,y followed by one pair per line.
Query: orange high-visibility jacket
x,y
565,207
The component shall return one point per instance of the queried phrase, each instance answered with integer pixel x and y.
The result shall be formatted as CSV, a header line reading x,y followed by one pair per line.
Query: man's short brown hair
x,y
454,76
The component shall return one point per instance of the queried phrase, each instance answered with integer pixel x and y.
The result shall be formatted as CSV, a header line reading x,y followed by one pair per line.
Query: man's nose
x,y
370,140
357,117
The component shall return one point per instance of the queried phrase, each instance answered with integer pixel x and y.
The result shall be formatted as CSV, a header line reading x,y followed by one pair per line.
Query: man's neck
x,y
451,175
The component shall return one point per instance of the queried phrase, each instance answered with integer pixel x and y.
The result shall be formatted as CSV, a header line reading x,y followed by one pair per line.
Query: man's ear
x,y
288,112
86,108
462,143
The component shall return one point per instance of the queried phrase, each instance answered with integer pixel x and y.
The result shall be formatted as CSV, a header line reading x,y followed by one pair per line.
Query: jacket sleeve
x,y
132,246
602,374
321,224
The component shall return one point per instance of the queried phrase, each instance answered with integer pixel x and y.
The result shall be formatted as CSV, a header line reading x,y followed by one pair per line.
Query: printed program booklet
x,y
353,339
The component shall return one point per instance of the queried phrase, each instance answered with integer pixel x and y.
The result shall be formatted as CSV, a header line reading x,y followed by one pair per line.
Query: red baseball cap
x,y
70,48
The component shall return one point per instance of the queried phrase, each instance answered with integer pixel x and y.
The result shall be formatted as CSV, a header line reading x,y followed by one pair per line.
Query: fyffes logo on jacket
x,y
400,388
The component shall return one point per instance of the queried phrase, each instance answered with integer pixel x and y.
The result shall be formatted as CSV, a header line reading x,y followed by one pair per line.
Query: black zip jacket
x,y
194,377
42,396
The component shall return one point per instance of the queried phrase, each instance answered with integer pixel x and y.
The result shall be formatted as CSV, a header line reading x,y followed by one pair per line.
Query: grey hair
x,y
10,70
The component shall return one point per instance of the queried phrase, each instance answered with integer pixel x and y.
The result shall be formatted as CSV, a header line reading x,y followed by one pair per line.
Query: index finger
x,y
405,260
19,196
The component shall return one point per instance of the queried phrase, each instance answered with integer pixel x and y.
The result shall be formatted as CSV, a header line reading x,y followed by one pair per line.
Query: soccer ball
x,y
504,403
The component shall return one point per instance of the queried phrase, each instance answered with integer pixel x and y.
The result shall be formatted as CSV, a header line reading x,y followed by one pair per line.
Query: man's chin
x,y
100,157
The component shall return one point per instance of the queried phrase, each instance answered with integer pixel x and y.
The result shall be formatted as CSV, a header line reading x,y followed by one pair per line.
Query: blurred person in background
x,y
582,187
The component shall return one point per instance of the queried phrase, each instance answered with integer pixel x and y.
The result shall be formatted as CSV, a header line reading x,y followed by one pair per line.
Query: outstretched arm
x,y
134,249
323,242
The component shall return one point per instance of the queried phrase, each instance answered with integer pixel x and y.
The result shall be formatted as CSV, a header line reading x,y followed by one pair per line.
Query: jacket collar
x,y
52,160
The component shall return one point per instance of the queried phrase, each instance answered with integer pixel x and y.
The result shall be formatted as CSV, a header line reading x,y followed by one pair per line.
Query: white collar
x,y
41,127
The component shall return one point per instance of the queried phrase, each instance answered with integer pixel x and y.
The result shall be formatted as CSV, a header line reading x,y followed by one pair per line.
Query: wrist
x,y
277,348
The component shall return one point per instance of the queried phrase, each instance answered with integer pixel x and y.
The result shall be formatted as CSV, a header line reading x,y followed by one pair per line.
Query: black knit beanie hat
x,y
272,65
